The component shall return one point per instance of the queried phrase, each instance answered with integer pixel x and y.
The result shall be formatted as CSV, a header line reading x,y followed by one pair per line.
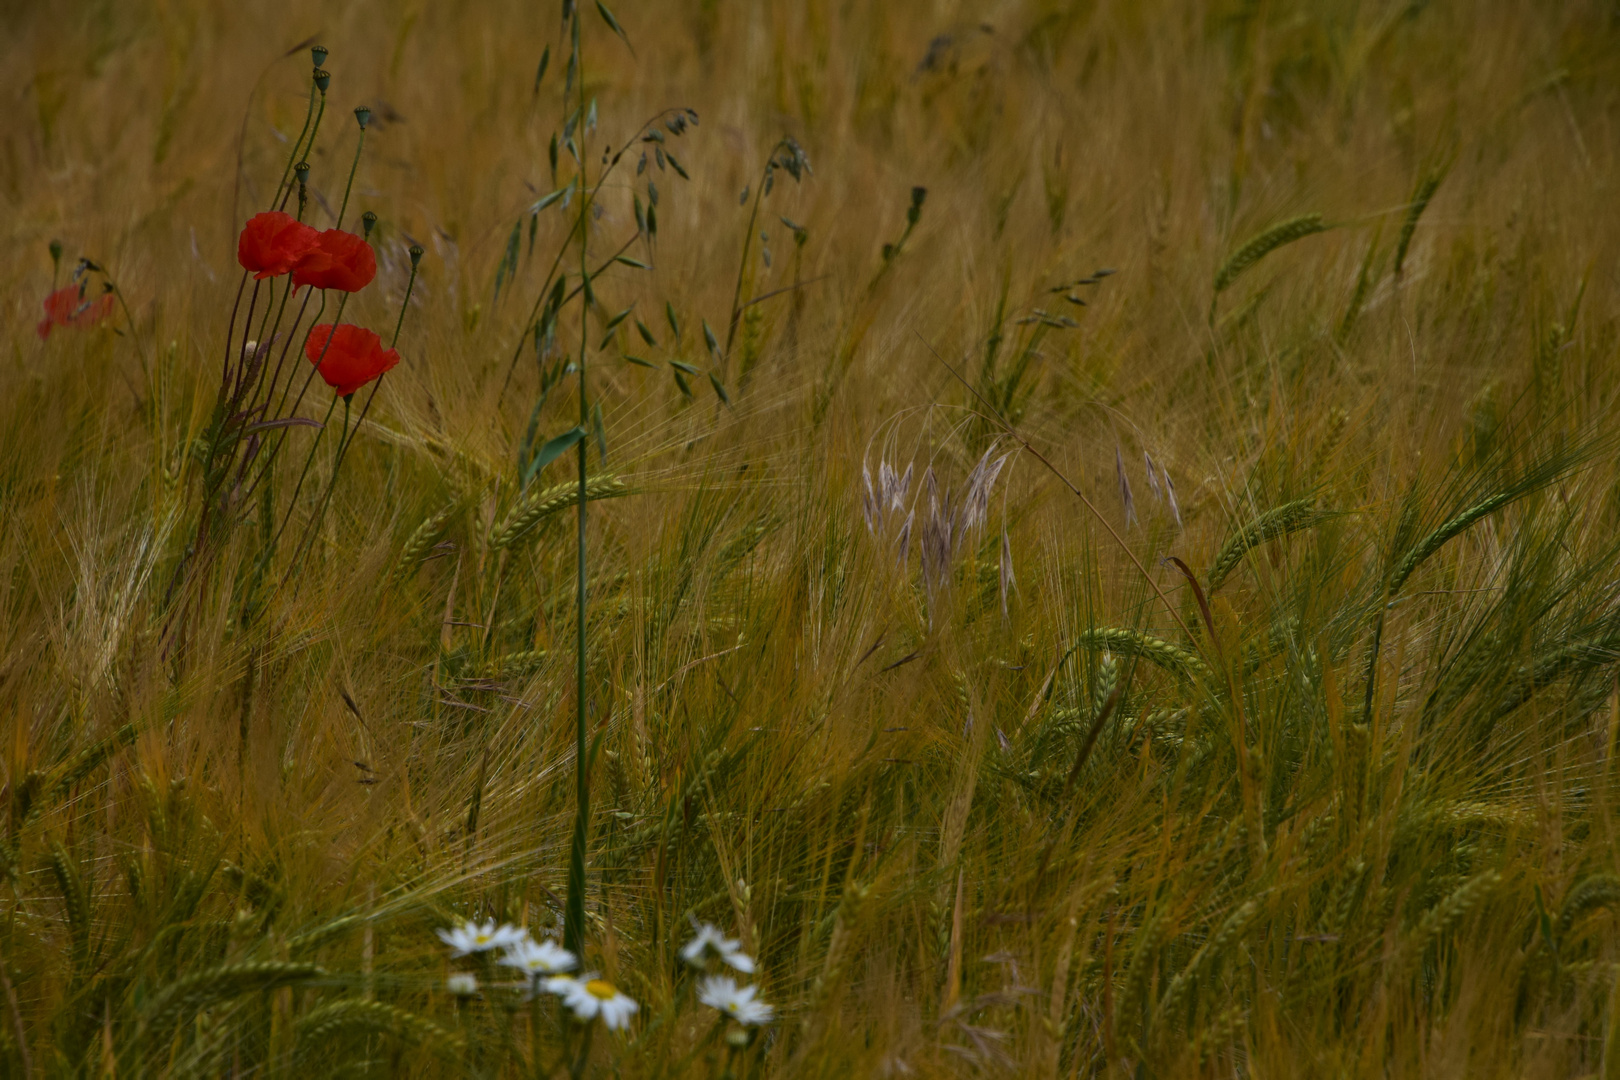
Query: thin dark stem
x,y
359,146
292,158
319,116
742,268
574,916
292,502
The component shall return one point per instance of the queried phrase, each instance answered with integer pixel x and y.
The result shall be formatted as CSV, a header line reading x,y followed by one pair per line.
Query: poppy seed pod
x,y
416,255
318,54
368,221
302,169
362,113
56,252
323,79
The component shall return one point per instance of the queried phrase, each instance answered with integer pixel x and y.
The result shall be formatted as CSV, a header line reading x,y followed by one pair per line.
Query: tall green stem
x,y
574,916
359,146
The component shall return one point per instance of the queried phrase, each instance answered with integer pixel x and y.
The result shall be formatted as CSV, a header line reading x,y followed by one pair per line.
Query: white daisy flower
x,y
538,959
710,941
590,997
462,984
470,937
722,992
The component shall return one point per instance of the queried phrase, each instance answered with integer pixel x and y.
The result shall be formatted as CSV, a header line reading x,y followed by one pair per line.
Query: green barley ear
x,y
1258,247
1595,892
315,1031
186,996
552,500
76,903
1420,202
1172,658
422,541
1280,521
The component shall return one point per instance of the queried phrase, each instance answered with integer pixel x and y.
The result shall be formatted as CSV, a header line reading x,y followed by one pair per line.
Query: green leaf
x,y
613,323
674,323
708,336
676,165
646,334
633,263
639,360
553,450
680,381
681,366
719,390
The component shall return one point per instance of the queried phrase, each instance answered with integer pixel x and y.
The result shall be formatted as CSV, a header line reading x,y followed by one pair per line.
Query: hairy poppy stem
x,y
359,146
292,502
308,113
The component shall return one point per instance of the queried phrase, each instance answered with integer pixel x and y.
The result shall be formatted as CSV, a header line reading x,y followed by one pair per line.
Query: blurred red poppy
x,y
68,307
272,243
340,260
354,358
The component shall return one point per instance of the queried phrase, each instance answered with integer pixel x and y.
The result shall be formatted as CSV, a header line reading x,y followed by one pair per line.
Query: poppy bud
x,y
416,255
362,114
318,54
302,169
323,79
368,221
56,253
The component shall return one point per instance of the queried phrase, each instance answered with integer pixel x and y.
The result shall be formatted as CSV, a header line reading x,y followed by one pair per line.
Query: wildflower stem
x,y
319,114
577,1070
292,502
292,157
403,305
574,915
742,267
358,146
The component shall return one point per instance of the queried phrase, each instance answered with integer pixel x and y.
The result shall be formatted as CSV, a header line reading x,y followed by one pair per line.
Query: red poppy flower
x,y
340,260
68,307
354,358
272,243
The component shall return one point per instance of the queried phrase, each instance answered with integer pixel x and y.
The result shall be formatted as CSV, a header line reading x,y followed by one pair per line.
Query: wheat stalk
x,y
1280,521
1263,244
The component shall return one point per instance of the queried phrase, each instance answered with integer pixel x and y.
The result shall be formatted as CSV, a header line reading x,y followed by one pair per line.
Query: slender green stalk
x,y
574,915
292,502
293,156
355,165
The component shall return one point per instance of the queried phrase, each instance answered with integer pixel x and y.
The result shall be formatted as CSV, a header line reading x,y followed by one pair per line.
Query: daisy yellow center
x,y
482,938
599,988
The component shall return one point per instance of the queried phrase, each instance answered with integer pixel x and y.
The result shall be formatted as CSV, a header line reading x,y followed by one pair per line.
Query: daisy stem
x,y
574,917
577,1070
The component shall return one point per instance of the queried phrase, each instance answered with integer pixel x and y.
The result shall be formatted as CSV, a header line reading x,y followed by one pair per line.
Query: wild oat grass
x,y
982,789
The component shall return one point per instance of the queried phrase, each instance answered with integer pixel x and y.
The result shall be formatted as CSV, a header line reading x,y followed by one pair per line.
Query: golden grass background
x,y
866,781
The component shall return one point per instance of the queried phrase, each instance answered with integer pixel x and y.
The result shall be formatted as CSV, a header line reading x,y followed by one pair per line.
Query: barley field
x,y
902,540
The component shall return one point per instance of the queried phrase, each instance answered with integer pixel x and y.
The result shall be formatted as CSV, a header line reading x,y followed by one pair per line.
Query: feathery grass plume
x,y
1414,210
1157,651
540,505
315,1031
1262,244
1125,499
1290,517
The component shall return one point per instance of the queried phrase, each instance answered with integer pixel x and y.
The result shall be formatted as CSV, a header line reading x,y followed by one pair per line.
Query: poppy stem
x,y
359,146
292,503
309,112
403,305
